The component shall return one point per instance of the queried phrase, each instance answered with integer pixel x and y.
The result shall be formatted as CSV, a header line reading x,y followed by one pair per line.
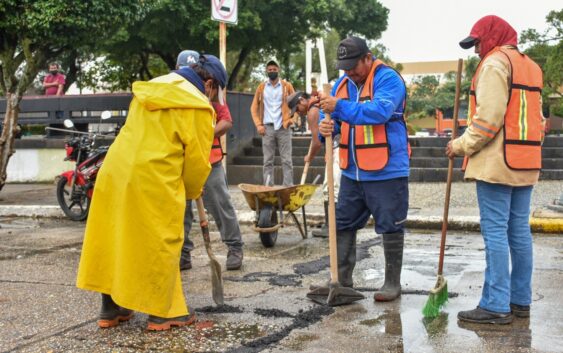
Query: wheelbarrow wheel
x,y
268,218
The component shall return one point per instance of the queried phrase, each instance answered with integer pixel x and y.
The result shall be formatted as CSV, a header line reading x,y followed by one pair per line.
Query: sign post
x,y
224,11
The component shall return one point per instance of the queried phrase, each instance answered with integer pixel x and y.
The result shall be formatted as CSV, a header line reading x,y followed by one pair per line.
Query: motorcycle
x,y
75,187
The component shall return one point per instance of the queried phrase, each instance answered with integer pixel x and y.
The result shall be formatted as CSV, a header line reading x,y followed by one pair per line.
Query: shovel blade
x,y
216,281
334,295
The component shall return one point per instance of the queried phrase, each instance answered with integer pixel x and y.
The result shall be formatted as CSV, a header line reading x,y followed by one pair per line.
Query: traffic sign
x,y
224,11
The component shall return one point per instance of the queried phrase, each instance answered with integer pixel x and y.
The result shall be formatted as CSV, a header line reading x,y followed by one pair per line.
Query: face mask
x,y
53,72
273,75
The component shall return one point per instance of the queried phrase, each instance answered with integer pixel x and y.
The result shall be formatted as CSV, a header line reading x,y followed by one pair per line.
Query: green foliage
x,y
547,50
34,32
427,93
265,29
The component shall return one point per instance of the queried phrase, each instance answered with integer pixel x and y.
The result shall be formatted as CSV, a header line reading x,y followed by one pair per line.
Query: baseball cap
x,y
468,42
293,100
213,65
350,50
187,58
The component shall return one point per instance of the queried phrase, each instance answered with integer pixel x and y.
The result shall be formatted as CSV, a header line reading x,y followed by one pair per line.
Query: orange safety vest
x,y
523,118
370,142
216,151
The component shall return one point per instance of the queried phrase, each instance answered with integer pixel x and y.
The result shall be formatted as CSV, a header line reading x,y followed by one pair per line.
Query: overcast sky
x,y
429,30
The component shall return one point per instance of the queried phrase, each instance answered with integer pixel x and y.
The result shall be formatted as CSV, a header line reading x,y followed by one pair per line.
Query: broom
x,y
439,294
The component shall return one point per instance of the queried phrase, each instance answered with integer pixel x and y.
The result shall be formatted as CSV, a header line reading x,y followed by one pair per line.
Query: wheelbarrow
x,y
269,201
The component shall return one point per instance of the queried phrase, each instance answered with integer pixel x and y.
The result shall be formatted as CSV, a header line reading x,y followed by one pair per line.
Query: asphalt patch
x,y
316,266
275,279
272,313
301,320
220,309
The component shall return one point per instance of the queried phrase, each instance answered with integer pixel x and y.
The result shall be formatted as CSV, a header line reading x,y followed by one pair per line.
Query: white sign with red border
x,y
224,11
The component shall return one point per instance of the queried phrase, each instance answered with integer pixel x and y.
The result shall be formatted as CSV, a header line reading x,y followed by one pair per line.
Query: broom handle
x,y
450,168
331,207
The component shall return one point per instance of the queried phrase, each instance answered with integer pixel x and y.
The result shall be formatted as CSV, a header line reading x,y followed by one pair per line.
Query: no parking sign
x,y
224,11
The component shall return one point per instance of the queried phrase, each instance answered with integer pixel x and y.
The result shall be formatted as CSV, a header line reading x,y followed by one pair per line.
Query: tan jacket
x,y
257,107
486,155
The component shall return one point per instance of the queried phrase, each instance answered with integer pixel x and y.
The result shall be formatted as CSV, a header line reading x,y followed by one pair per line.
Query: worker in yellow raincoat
x,y
134,233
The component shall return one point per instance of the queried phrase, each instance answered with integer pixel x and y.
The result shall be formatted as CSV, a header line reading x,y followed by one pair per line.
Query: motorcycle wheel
x,y
76,208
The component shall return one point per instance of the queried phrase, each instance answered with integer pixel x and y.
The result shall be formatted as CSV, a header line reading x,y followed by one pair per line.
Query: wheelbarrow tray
x,y
292,197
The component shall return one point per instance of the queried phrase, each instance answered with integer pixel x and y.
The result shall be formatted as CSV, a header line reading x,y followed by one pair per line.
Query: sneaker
x,y
155,323
522,311
234,259
482,316
185,261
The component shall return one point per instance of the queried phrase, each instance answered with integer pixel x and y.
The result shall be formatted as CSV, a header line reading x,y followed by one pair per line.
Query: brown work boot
x,y
234,259
112,314
482,316
155,323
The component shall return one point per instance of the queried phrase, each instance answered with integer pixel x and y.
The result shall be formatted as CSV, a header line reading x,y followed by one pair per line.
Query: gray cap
x,y
187,58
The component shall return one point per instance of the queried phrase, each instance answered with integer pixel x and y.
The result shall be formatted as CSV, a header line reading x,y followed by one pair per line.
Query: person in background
x,y
272,118
308,106
54,82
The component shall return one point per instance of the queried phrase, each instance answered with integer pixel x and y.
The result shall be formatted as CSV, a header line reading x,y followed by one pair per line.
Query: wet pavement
x,y
266,309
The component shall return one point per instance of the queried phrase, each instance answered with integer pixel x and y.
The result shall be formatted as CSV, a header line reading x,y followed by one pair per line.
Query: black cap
x,y
350,50
467,42
293,100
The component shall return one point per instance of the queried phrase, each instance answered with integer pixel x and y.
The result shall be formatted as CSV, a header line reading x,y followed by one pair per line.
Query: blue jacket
x,y
388,100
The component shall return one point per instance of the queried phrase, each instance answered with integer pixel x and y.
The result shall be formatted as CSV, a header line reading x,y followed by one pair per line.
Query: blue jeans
x,y
505,213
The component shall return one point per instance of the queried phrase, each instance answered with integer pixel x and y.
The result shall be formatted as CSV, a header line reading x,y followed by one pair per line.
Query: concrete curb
x,y
467,223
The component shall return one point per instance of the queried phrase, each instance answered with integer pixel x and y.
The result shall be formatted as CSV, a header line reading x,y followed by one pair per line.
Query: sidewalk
x,y
425,211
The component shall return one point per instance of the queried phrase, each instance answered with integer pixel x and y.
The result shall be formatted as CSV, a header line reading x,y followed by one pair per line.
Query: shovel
x,y
216,279
334,294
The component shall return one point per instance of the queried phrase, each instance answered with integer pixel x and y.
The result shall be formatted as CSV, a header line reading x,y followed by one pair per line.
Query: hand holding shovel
x,y
334,294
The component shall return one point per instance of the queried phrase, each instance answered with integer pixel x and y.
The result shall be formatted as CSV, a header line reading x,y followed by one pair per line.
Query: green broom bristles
x,y
436,299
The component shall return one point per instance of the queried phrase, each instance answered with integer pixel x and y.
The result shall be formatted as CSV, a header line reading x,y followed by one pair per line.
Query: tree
x,y
547,50
277,27
34,32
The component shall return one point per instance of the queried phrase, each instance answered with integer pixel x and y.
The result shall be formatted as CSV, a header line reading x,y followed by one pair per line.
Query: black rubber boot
x,y
393,249
323,232
185,261
112,314
346,251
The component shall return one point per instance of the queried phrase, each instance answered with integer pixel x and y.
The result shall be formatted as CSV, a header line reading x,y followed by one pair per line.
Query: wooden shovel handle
x,y
331,206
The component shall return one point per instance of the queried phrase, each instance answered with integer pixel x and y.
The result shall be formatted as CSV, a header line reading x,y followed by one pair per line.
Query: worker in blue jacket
x,y
367,106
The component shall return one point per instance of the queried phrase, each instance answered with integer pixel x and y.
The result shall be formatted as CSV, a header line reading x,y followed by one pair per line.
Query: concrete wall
x,y
37,165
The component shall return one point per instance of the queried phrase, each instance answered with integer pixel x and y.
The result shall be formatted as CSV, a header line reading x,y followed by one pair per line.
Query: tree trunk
x,y
8,135
233,76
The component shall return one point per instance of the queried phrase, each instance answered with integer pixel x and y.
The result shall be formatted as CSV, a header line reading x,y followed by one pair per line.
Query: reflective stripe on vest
x,y
523,118
370,141
216,151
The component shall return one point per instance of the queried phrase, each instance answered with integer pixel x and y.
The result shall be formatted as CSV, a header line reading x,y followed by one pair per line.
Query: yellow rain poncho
x,y
134,232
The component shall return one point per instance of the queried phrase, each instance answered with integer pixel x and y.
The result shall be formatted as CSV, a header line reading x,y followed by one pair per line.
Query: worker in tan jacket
x,y
502,149
272,118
